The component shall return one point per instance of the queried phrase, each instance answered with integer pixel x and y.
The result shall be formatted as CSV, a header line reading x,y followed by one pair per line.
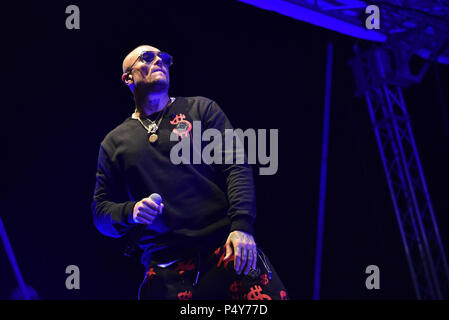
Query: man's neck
x,y
152,103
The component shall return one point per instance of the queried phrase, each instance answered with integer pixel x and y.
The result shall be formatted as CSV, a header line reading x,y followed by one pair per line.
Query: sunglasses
x,y
149,56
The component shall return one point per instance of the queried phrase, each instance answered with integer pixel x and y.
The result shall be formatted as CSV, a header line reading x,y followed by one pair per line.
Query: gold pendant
x,y
153,138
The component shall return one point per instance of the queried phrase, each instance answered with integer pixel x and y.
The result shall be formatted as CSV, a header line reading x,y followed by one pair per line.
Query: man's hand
x,y
245,251
146,210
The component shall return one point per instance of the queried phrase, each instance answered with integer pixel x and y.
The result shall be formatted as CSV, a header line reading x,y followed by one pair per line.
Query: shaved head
x,y
147,78
132,56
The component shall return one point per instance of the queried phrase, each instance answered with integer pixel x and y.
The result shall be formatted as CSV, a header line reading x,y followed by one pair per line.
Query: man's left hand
x,y
245,251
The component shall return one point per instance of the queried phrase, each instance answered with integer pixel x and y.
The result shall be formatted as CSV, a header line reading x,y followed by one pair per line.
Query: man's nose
x,y
158,61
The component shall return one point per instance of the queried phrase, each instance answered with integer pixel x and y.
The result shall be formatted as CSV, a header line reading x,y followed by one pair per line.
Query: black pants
x,y
209,277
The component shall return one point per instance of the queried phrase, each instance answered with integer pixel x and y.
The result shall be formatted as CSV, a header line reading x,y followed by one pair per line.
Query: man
x,y
198,242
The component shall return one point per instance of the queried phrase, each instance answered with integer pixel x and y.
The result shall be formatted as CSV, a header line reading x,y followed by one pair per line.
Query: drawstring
x,y
198,270
263,259
140,287
194,284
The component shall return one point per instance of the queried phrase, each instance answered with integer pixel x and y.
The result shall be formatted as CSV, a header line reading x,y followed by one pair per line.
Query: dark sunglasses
x,y
149,56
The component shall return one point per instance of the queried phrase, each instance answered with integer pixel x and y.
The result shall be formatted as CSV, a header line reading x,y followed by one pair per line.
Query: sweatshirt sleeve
x,y
238,177
112,214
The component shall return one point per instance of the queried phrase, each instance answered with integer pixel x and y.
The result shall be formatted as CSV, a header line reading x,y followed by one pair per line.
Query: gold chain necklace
x,y
152,127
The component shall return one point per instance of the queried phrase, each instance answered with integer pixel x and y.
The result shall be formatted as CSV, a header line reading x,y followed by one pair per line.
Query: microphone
x,y
130,249
156,198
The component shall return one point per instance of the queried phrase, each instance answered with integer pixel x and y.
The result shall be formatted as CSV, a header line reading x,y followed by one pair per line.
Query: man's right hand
x,y
146,210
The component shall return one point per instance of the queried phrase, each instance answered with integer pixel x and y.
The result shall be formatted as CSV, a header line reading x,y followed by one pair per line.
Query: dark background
x,y
64,94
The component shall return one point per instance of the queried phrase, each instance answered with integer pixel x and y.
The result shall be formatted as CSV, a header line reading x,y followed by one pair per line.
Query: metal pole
x,y
323,180
13,261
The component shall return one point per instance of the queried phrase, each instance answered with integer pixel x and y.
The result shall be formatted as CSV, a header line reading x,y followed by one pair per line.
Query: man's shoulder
x,y
120,131
200,104
198,99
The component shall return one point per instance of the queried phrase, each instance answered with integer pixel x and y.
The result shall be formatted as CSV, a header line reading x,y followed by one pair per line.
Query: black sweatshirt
x,y
203,202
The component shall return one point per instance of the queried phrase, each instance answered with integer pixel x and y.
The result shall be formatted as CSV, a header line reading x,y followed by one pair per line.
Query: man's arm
x,y
241,197
112,216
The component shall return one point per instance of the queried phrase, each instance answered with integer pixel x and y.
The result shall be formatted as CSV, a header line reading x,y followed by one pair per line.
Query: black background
x,y
63,94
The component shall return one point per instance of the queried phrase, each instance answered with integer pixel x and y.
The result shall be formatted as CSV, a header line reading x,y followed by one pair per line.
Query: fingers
x,y
151,206
237,258
245,259
161,207
143,217
250,261
245,251
146,211
254,262
228,250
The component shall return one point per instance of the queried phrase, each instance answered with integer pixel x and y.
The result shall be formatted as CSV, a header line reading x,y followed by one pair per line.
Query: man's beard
x,y
144,88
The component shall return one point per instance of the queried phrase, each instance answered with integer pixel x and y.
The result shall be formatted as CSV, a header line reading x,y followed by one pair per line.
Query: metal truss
x,y
407,28
411,200
426,21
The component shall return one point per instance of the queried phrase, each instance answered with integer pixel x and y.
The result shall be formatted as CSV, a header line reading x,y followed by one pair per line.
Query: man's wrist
x,y
242,223
130,215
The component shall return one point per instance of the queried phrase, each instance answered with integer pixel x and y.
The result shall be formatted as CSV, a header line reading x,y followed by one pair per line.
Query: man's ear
x,y
127,78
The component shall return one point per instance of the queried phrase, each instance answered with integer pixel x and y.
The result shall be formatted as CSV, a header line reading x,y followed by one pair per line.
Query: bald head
x,y
132,56
145,77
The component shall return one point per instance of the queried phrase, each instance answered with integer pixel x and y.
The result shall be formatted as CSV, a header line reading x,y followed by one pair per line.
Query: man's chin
x,y
153,86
